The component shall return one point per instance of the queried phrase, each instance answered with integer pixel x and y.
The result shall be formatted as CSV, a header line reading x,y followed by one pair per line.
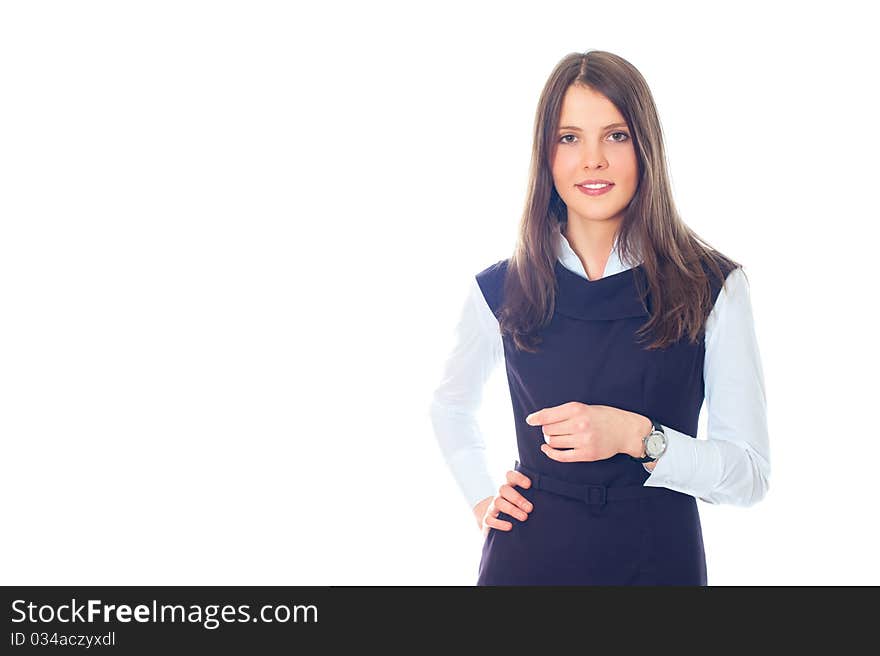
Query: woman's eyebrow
x,y
576,128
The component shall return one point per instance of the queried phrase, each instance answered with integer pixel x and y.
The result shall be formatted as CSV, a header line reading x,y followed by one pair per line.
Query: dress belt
x,y
591,494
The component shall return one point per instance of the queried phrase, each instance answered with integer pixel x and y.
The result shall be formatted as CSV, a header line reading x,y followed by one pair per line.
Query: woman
x,y
614,320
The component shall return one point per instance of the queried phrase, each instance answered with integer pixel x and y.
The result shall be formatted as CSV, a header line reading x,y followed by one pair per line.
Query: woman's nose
x,y
593,157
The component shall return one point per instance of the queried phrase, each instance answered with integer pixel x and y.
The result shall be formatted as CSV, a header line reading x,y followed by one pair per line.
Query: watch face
x,y
654,444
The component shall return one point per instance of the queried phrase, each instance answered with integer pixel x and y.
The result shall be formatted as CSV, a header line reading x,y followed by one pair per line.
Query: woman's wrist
x,y
636,444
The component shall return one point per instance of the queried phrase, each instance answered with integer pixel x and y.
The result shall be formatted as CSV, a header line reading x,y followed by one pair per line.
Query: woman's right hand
x,y
507,500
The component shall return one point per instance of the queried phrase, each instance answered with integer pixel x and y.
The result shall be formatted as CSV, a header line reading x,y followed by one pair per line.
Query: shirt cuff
x,y
688,465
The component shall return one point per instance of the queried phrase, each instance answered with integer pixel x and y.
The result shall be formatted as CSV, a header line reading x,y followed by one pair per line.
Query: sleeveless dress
x,y
595,523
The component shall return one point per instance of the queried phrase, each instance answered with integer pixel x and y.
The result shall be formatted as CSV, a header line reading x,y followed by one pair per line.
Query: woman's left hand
x,y
589,432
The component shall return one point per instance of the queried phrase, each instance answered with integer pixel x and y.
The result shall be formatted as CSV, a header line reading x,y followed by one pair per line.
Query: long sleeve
x,y
476,352
732,465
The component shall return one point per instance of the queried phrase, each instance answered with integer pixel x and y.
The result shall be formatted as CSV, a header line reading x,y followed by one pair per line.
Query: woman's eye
x,y
564,136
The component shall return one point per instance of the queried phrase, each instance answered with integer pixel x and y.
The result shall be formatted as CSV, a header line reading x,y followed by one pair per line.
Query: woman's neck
x,y
592,242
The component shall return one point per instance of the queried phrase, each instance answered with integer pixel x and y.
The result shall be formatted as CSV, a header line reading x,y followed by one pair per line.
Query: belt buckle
x,y
595,494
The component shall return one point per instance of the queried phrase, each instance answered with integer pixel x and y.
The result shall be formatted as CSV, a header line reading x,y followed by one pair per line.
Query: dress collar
x,y
613,296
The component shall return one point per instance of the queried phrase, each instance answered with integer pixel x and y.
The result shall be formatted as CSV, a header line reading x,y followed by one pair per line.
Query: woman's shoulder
x,y
494,273
491,283
495,269
718,268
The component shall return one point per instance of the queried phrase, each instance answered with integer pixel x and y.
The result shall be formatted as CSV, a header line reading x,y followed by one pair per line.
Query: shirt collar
x,y
570,260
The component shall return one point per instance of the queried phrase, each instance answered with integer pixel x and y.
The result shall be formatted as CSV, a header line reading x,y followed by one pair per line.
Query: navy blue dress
x,y
594,523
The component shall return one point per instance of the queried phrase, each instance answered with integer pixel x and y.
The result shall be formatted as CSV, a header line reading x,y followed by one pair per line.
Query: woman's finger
x,y
509,492
518,478
511,509
562,441
494,522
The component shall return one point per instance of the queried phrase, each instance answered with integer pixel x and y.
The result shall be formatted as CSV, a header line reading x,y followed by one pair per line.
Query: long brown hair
x,y
675,261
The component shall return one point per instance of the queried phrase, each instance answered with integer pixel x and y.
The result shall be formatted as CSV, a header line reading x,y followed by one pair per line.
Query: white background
x,y
235,238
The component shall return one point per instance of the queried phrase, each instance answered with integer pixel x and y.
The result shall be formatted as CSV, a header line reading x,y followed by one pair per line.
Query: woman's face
x,y
593,143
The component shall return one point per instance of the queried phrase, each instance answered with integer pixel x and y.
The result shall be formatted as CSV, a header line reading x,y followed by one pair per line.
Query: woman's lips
x,y
595,192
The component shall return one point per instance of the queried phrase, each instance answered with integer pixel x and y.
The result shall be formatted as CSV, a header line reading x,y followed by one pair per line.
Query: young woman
x,y
614,320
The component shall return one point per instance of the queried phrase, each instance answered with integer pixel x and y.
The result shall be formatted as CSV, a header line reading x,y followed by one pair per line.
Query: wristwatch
x,y
654,443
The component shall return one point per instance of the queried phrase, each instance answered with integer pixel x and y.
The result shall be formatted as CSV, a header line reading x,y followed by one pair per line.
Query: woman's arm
x,y
733,464
476,352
